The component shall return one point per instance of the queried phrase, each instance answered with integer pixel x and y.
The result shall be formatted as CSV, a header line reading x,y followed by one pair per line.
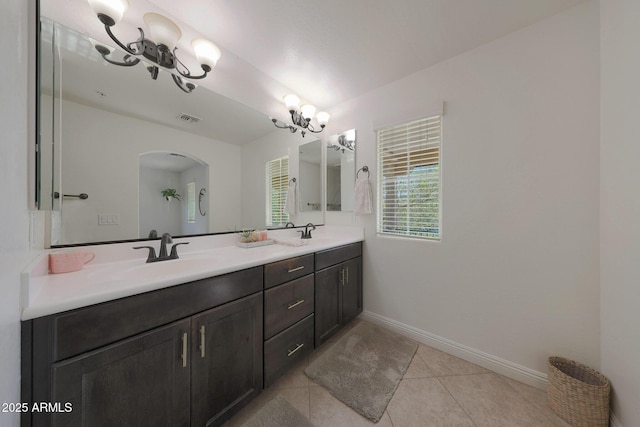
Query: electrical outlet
x,y
108,219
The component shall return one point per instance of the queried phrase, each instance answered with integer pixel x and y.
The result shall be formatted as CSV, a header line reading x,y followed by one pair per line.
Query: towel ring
x,y
200,197
363,169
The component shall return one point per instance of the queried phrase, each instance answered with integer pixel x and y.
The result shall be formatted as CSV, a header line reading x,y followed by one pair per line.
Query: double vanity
x,y
185,342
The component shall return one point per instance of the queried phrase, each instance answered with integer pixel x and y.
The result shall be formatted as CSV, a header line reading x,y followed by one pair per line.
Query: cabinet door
x,y
352,290
328,303
140,381
226,360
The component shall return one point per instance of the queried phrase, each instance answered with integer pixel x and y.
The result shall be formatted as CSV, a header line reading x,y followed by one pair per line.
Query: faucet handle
x,y
152,252
174,250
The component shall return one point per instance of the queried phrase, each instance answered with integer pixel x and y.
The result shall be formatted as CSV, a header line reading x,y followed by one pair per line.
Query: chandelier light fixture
x,y
344,142
301,117
160,49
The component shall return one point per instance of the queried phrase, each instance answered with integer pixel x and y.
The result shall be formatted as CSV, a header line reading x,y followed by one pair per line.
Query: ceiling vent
x,y
187,118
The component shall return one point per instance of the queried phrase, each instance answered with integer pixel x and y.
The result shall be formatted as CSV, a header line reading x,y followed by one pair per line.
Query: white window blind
x,y
409,179
277,183
191,202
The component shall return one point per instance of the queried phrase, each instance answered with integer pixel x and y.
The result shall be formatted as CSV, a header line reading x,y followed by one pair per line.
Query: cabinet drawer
x,y
337,255
285,304
288,269
287,348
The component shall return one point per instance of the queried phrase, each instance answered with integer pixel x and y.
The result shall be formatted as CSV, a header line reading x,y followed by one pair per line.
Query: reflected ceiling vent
x,y
187,118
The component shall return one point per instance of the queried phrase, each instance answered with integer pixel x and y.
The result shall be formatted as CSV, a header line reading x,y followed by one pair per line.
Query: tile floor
x,y
437,390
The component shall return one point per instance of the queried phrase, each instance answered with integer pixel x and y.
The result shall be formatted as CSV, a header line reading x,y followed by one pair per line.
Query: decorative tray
x,y
255,244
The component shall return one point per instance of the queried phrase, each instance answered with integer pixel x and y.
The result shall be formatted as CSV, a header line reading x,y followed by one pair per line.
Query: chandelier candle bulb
x,y
162,29
206,52
292,102
114,9
323,118
308,111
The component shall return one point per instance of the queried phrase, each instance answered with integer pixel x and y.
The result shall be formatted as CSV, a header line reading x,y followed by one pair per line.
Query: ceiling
x,y
325,51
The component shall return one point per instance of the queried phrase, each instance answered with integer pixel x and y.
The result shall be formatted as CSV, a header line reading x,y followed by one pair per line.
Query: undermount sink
x,y
155,270
158,269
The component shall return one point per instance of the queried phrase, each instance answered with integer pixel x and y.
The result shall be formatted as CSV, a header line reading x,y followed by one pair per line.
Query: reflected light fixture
x,y
344,142
159,52
301,116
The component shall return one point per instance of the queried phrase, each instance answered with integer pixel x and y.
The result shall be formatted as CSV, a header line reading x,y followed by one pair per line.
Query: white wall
x,y
14,215
101,156
620,205
516,273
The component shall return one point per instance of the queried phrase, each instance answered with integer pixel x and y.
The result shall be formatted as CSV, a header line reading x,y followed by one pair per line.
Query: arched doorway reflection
x,y
160,212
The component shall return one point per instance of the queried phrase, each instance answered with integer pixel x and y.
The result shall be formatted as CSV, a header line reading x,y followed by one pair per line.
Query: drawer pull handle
x,y
202,351
184,350
298,347
290,306
291,270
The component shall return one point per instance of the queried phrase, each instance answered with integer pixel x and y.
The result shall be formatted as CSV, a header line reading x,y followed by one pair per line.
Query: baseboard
x,y
509,369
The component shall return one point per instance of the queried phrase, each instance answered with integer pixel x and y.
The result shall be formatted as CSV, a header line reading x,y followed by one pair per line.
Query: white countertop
x,y
119,271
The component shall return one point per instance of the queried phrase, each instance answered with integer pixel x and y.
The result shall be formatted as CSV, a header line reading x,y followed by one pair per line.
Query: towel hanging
x,y
363,196
291,202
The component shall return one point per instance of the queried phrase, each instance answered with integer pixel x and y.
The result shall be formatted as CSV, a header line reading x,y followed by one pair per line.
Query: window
x,y
191,202
277,185
409,179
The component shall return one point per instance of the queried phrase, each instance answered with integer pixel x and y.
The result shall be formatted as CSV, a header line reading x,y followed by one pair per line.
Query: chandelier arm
x,y
126,62
311,129
186,73
186,88
153,70
275,123
126,48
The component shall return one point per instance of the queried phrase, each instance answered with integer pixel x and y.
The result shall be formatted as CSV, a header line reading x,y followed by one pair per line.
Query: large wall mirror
x,y
341,170
310,177
119,137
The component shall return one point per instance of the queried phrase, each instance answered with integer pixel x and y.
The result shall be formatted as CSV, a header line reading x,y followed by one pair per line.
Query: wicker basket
x,y
577,393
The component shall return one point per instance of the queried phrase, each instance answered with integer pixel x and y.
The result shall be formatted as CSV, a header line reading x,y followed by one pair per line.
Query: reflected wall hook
x,y
365,168
81,196
292,180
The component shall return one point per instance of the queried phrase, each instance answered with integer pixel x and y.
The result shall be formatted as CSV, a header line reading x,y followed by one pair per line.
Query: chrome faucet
x,y
306,233
162,256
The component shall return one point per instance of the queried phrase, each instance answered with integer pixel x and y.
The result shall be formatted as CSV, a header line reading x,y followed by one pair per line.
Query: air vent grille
x,y
188,118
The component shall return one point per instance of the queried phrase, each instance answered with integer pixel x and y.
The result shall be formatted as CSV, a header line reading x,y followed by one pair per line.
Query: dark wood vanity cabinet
x,y
189,355
338,289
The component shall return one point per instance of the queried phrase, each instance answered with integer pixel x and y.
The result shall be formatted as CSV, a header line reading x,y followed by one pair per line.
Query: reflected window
x,y
191,202
277,180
